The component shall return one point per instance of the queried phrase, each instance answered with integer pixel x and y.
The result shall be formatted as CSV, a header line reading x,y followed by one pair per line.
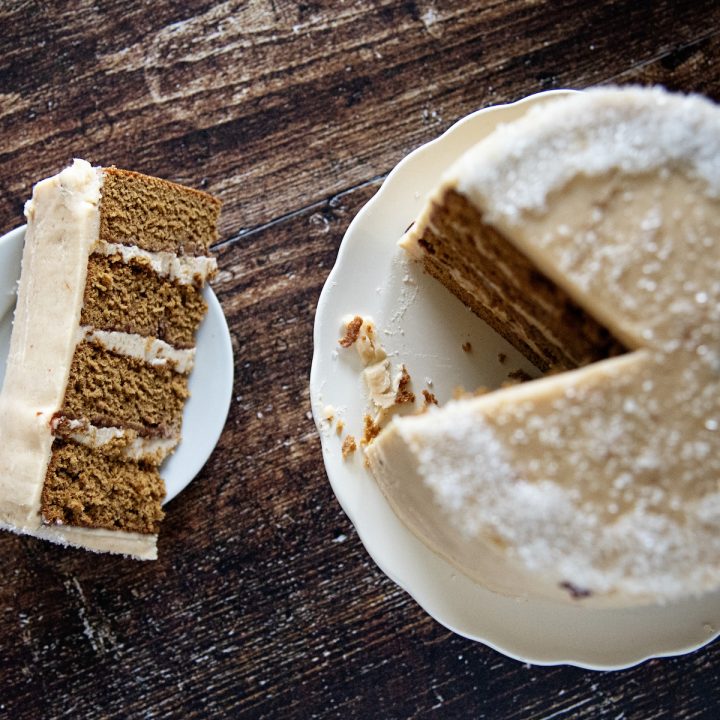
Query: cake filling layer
x,y
123,443
150,350
184,270
87,488
109,390
156,215
131,298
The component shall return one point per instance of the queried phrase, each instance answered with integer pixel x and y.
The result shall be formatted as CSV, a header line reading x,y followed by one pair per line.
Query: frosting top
x,y
631,130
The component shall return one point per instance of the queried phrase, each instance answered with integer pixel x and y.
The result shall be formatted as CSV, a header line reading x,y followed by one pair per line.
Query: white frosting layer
x,y
186,269
128,442
63,222
150,350
609,131
118,542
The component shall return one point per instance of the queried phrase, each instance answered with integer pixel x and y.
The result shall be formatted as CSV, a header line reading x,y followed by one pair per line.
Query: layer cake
x,y
109,300
586,233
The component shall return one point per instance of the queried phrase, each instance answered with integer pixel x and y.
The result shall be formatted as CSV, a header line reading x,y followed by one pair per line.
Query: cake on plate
x,y
109,300
587,233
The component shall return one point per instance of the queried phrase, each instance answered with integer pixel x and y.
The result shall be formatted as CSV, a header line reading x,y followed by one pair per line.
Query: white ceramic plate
x,y
210,384
422,325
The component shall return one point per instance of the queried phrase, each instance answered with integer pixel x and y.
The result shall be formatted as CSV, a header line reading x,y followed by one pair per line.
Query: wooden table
x,y
263,602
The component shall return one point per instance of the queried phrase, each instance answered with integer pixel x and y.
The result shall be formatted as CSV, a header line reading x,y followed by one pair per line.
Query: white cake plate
x,y
210,383
424,326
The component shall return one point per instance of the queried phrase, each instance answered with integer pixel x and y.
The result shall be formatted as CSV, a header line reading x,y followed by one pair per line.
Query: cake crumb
x,y
339,427
502,358
430,398
371,430
467,347
352,331
349,446
379,385
576,593
329,413
366,344
403,395
516,377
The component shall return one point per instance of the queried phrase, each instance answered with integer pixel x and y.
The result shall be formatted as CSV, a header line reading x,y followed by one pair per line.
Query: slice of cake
x,y
587,233
110,298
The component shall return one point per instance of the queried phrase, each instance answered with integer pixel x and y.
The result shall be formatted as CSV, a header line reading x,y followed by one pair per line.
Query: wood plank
x,y
277,105
687,68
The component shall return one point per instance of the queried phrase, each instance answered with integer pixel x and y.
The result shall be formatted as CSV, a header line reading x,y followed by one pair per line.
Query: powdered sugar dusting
x,y
591,133
564,472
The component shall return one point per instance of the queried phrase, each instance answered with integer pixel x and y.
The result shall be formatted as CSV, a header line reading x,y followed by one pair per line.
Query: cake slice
x,y
587,234
110,298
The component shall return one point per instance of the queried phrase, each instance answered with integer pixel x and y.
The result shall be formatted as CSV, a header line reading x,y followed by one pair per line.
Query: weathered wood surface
x,y
263,602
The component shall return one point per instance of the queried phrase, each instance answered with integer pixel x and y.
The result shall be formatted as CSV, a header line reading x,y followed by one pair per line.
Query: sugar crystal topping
x,y
631,130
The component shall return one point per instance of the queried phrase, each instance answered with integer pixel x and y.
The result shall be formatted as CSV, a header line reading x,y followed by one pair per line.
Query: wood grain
x,y
264,603
225,94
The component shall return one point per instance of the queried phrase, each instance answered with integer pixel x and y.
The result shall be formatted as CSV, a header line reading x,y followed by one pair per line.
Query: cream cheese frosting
x,y
128,442
63,221
153,351
186,270
600,483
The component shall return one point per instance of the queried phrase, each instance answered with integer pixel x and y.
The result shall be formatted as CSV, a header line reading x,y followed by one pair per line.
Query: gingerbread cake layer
x,y
108,389
131,297
156,215
86,487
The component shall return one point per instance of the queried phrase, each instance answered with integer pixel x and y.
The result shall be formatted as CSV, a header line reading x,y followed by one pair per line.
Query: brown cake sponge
x,y
87,488
111,390
130,297
156,215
